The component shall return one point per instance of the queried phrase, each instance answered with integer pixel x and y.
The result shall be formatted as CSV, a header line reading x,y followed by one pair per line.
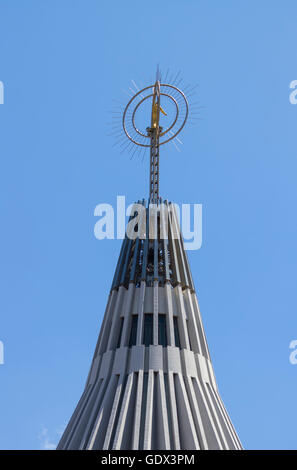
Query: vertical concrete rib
x,y
227,418
173,409
108,313
141,230
224,421
182,319
169,308
127,315
93,412
137,417
97,438
156,311
116,445
179,250
193,327
213,439
164,238
119,268
161,413
215,416
203,341
71,425
114,410
174,260
196,413
145,248
147,442
111,328
84,418
140,311
187,431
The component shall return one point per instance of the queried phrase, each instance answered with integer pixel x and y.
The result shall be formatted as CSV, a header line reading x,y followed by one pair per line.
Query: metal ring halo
x,y
138,93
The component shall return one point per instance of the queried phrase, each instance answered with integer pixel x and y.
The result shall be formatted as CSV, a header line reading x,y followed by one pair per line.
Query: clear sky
x,y
62,63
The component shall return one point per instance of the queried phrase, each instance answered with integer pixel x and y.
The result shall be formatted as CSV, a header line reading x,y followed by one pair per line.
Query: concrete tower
x,y
151,384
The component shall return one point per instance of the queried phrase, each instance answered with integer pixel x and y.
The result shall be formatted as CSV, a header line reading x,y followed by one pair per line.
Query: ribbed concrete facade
x,y
151,384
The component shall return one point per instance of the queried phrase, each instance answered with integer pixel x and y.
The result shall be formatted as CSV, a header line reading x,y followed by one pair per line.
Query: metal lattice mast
x,y
154,167
154,133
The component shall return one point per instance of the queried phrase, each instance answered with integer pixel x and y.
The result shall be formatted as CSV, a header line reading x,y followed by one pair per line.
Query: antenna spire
x,y
155,133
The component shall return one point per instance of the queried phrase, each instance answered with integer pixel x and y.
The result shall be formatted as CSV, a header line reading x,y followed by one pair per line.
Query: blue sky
x,y
61,64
